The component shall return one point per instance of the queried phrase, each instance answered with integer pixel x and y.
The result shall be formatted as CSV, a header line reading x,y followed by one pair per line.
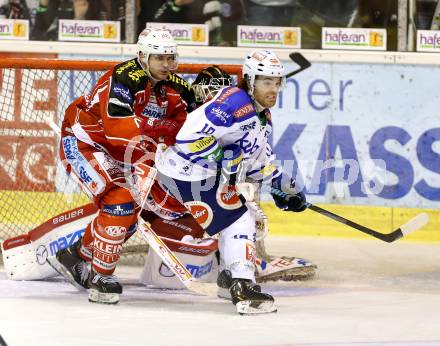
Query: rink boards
x,y
383,219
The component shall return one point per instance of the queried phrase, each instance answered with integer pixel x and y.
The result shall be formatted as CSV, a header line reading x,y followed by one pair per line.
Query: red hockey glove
x,y
161,130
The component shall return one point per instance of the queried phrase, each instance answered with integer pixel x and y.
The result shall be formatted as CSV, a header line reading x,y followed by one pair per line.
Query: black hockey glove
x,y
286,197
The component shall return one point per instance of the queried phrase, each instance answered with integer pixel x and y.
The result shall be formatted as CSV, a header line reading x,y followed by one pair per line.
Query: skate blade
x,y
248,307
224,293
103,298
60,269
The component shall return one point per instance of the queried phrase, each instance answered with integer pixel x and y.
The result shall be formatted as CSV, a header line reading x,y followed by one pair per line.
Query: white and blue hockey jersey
x,y
229,118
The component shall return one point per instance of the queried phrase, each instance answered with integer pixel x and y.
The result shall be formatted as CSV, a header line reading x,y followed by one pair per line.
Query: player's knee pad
x,y
109,234
237,247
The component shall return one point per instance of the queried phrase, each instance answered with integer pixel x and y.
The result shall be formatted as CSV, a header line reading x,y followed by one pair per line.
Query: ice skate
x,y
224,282
248,298
104,289
71,266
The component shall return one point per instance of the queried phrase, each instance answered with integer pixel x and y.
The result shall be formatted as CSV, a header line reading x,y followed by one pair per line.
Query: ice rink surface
x,y
366,292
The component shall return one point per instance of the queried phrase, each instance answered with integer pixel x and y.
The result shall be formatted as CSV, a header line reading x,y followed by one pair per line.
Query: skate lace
x,y
104,278
83,271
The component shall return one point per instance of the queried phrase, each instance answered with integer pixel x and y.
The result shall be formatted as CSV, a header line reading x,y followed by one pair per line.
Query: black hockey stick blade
x,y
301,61
412,225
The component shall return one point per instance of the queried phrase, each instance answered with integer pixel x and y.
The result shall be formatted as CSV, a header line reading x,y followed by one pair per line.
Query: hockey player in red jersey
x,y
131,100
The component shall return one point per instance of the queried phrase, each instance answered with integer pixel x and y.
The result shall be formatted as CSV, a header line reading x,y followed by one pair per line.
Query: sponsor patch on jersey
x,y
268,169
82,168
70,148
244,110
122,209
136,75
227,198
248,127
111,168
225,93
201,144
160,211
172,77
115,230
186,170
153,110
125,66
201,211
216,155
217,116
234,162
122,92
248,144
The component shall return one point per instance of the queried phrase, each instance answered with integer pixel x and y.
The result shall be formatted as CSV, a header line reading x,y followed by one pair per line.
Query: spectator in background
x,y
222,17
312,15
379,14
269,12
435,23
19,9
113,10
163,11
49,11
425,13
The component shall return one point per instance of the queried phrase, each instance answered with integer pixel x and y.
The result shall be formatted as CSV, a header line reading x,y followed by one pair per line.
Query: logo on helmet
x,y
258,56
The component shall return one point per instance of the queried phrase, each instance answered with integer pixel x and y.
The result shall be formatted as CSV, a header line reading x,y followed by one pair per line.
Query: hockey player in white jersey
x,y
267,267
222,143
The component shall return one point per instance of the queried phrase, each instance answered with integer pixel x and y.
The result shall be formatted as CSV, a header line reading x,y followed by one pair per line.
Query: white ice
x,y
366,292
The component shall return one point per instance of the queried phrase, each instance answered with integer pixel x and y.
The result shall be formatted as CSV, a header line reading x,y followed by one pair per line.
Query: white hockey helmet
x,y
155,41
262,62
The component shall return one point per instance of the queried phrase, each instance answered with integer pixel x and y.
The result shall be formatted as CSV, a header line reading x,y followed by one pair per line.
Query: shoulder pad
x,y
238,102
226,93
219,114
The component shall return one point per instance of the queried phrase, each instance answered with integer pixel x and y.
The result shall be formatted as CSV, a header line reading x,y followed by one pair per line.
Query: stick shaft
x,y
385,237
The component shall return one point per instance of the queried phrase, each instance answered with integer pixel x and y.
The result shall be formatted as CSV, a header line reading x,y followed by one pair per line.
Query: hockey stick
x,y
246,193
301,61
171,260
143,188
412,225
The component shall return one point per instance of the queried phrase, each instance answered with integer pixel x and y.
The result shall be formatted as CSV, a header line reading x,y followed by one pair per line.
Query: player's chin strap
x,y
247,191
